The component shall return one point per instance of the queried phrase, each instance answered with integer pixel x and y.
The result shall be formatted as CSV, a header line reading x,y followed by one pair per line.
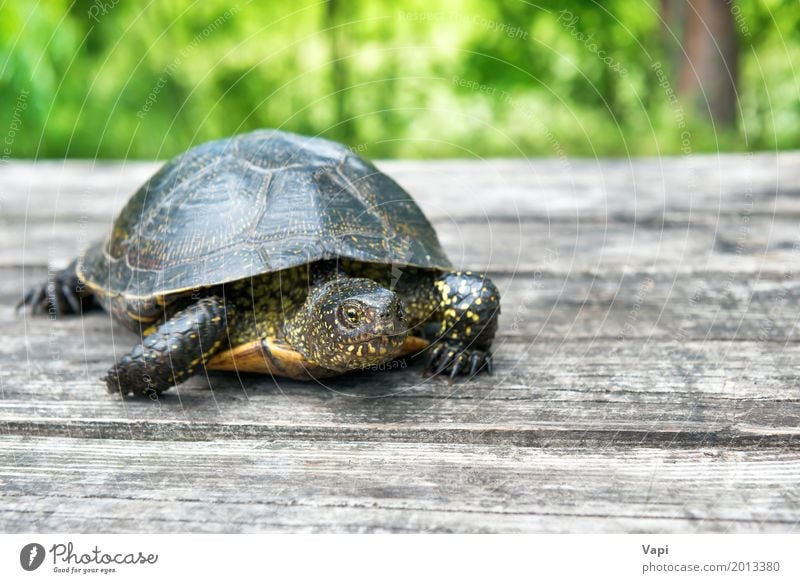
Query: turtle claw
x,y
474,364
454,360
432,359
34,298
42,300
458,365
69,296
63,296
445,362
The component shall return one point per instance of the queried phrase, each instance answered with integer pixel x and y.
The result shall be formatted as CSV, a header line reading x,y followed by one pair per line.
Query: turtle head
x,y
349,323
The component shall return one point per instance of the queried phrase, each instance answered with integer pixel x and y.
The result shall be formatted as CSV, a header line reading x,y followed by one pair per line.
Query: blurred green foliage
x,y
402,78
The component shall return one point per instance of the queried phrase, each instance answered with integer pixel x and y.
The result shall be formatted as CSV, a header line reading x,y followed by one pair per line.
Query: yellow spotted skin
x,y
319,330
469,304
306,308
172,351
467,309
265,302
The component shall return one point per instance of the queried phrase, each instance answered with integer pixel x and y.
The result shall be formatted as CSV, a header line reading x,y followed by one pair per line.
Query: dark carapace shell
x,y
252,204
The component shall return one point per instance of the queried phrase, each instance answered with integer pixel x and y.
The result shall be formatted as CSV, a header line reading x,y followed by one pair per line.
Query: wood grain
x,y
646,370
309,485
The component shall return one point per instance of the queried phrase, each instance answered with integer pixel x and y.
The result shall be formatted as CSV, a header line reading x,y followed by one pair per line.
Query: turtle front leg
x,y
172,353
466,312
65,294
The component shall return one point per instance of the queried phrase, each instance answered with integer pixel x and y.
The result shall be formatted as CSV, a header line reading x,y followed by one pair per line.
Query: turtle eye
x,y
350,315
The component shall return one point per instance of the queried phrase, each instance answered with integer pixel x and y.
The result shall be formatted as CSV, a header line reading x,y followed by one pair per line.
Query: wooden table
x,y
646,376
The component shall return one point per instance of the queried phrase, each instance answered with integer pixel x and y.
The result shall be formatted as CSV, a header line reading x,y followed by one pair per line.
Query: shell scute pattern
x,y
253,204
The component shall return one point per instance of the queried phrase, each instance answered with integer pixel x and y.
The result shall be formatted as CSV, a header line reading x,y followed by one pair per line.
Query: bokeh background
x,y
401,78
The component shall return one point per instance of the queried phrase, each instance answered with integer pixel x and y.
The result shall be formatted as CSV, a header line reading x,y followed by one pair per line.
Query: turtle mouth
x,y
388,342
375,350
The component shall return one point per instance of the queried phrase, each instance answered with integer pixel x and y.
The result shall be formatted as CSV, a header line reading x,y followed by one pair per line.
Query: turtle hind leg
x,y
171,353
64,294
466,313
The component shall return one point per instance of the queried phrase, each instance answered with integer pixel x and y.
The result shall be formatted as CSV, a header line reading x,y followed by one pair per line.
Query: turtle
x,y
273,252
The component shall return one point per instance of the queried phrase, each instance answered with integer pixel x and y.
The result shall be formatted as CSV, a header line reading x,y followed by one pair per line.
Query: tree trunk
x,y
672,16
709,64
343,124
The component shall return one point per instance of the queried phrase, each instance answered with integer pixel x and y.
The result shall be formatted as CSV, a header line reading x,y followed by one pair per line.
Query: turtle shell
x,y
253,204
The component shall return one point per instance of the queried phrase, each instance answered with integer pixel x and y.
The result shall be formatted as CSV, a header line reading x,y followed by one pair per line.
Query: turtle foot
x,y
453,359
63,294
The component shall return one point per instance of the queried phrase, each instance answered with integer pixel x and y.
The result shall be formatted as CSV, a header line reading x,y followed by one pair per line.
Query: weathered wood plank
x,y
589,361
278,485
674,394
646,370
761,183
